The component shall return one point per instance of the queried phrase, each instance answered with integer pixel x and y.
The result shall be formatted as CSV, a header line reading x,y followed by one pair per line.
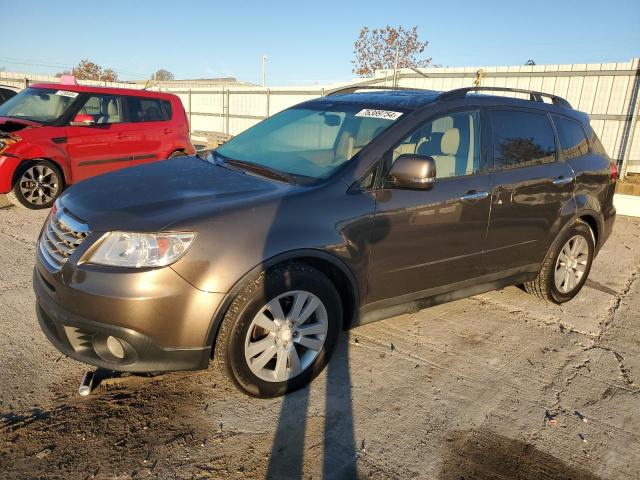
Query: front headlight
x,y
5,142
139,250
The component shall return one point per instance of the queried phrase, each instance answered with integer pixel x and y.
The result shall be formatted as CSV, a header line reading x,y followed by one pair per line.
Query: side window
x,y
6,94
452,140
103,108
148,109
596,144
572,138
521,139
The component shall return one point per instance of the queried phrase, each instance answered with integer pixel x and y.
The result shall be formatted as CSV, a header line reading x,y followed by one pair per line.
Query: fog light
x,y
115,347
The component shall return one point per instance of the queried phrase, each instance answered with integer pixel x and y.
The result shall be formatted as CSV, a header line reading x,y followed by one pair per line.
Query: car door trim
x,y
117,160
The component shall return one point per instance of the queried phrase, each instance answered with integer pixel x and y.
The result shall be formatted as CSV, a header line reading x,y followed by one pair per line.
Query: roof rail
x,y
354,88
533,95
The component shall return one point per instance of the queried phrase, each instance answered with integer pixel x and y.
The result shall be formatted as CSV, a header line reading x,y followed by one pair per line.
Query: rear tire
x,y
176,154
304,347
566,266
38,184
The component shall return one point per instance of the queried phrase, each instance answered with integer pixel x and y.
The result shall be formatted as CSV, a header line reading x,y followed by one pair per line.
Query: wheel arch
x,y
592,222
333,267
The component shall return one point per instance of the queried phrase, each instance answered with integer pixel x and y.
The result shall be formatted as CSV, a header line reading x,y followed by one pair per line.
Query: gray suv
x,y
339,211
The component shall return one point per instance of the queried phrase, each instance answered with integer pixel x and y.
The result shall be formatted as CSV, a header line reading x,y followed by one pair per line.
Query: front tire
x,y
279,331
566,266
37,186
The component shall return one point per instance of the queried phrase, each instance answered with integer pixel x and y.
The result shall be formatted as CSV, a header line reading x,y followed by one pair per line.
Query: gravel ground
x,y
495,386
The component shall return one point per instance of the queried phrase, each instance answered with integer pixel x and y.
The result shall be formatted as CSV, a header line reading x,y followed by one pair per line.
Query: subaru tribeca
x,y
336,212
54,135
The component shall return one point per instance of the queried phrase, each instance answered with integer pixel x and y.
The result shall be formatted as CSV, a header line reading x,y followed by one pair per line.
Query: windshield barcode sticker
x,y
67,93
385,114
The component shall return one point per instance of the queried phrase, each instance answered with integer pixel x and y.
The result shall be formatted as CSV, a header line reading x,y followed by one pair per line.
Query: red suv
x,y
54,135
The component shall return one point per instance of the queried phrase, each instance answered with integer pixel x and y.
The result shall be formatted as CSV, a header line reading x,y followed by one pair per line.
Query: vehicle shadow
x,y
339,453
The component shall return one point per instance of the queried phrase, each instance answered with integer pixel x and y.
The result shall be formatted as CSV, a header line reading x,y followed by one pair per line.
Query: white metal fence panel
x,y
608,92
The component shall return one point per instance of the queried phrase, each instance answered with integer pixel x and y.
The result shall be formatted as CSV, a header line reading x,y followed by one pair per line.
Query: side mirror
x,y
416,172
82,120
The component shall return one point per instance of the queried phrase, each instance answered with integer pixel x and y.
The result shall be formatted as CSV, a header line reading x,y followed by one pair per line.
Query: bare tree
x,y
88,70
378,49
162,75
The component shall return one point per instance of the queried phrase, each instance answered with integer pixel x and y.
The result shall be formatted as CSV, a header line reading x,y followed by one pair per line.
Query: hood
x,y
10,124
151,197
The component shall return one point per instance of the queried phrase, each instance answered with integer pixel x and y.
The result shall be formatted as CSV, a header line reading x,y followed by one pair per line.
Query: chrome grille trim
x,y
59,239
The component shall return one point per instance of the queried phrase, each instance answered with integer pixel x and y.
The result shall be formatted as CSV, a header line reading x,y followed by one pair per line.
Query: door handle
x,y
167,130
122,135
473,195
561,180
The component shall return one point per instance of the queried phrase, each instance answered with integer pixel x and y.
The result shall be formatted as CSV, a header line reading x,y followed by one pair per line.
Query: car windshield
x,y
308,141
38,104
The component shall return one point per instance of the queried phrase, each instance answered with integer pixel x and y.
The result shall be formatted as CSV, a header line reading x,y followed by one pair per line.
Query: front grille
x,y
60,238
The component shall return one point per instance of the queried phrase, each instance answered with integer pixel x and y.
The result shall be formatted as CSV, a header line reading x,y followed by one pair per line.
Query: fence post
x,y
268,101
26,82
322,92
189,111
632,123
226,126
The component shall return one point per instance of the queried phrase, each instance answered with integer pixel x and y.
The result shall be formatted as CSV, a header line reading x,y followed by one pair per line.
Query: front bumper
x,y
164,329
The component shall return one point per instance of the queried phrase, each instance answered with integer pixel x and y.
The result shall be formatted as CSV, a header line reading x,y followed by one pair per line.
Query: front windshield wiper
x,y
261,170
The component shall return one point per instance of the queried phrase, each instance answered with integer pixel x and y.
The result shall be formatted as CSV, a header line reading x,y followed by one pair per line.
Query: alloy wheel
x,y
39,184
571,264
286,336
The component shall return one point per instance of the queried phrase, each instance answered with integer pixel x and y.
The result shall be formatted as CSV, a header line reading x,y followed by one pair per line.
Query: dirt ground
x,y
496,386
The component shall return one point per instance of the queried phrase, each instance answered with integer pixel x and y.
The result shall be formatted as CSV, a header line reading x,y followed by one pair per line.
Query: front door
x,y
104,146
431,239
530,187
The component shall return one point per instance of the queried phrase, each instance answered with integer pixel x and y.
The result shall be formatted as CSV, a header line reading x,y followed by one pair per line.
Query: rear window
x,y
142,109
521,139
573,140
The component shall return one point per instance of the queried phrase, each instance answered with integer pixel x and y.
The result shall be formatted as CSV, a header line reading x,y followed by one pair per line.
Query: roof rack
x,y
355,88
533,95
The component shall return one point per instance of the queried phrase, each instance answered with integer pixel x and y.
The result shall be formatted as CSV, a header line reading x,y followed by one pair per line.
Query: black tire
x,y
176,154
18,198
229,347
544,285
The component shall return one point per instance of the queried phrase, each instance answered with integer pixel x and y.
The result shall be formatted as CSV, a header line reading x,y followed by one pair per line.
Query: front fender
x,y
26,151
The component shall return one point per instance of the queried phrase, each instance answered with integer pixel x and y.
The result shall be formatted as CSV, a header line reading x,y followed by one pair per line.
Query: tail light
x,y
614,171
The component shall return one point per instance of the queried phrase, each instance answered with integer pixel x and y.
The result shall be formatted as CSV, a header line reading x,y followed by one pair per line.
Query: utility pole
x,y
395,69
264,70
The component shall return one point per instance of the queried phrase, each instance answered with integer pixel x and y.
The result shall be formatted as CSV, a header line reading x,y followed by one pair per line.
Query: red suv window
x,y
148,109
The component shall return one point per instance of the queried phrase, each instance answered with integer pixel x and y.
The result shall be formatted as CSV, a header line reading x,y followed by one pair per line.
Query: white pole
x,y
395,69
264,70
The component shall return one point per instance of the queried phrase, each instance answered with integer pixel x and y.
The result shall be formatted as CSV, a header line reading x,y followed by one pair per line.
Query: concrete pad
x,y
494,386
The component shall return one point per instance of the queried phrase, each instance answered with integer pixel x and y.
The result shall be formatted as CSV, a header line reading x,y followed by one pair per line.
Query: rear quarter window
x,y
521,139
595,143
572,138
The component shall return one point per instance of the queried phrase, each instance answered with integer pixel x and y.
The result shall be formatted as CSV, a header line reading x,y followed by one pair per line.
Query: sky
x,y
306,42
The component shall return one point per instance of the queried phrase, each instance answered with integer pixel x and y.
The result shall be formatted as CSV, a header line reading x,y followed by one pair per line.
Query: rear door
x,y
432,239
104,146
150,127
529,188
